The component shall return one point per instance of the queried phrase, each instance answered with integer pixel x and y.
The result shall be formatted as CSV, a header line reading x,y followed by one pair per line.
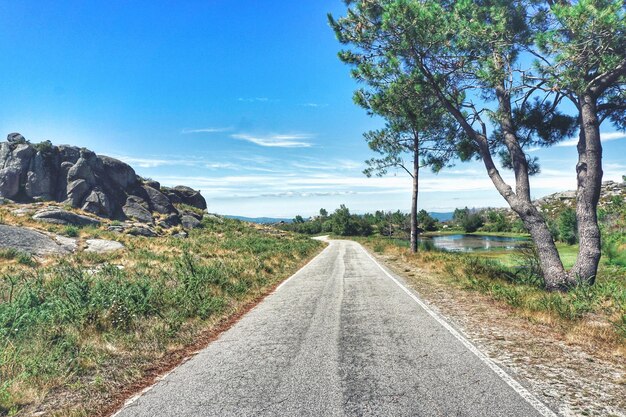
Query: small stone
x,y
102,245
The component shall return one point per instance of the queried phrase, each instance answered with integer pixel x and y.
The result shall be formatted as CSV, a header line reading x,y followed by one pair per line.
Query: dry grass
x,y
101,323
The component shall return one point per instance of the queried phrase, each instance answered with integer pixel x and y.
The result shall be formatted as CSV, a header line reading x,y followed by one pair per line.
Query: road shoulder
x,y
572,377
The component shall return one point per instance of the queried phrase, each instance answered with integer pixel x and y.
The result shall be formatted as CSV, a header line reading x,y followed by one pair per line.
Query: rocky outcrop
x,y
30,241
58,216
94,183
608,191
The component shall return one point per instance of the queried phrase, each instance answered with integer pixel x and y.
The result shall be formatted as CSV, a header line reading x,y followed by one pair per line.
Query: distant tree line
x,y
343,223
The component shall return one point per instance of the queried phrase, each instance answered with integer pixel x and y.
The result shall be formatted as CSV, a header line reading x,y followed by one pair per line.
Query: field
x,y
77,331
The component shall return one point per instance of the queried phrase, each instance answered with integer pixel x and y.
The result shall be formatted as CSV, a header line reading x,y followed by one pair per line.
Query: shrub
x,y
71,231
472,222
567,225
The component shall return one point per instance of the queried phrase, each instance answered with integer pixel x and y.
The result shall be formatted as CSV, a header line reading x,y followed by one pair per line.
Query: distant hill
x,y
260,220
442,217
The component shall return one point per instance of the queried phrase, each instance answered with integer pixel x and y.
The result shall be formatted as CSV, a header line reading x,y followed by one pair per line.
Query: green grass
x,y
84,326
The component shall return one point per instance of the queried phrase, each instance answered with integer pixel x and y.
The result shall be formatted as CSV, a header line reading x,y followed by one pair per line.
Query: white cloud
x,y
605,137
298,140
206,130
156,162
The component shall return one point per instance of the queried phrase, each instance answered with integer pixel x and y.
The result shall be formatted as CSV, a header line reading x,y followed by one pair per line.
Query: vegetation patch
x,y
77,330
595,313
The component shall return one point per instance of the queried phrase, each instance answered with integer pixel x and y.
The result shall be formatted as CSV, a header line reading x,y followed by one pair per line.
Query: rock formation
x,y
94,183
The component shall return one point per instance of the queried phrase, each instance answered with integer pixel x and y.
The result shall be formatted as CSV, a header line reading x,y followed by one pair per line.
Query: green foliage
x,y
44,147
496,221
567,225
71,231
426,221
9,253
472,222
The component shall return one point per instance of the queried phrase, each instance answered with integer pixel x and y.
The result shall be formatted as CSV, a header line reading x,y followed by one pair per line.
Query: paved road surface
x,y
340,338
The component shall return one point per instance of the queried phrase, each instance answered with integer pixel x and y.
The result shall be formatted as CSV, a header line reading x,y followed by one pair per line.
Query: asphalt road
x,y
342,337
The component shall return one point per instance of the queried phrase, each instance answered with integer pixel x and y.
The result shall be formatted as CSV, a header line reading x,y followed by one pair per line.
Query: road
x,y
342,337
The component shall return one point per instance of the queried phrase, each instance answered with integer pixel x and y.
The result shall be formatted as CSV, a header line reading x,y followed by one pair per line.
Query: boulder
x,y
69,154
76,192
85,168
15,138
68,243
152,183
9,182
30,241
102,245
189,196
98,203
59,216
141,231
173,197
170,221
40,180
158,201
135,208
190,222
119,172
20,158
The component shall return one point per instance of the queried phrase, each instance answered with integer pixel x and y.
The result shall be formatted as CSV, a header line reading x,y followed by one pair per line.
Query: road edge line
x,y
517,387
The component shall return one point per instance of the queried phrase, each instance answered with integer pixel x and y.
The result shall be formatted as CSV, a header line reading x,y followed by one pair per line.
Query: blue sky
x,y
245,101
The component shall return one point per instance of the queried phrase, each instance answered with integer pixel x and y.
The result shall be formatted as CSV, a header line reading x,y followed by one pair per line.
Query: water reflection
x,y
470,243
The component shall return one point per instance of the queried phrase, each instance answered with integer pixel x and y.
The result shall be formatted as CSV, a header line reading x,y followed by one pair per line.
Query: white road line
x,y
523,392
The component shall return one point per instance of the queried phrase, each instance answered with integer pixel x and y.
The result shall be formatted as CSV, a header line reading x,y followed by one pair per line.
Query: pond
x,y
470,243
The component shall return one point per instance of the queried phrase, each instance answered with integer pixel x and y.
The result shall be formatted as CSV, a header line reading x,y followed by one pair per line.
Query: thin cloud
x,y
314,105
156,162
253,99
298,140
605,137
206,130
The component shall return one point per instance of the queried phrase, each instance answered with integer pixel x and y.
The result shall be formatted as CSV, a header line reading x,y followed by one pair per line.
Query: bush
x,y
472,222
71,231
567,224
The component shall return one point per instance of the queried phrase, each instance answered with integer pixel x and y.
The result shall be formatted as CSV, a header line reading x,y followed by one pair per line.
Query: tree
x,y
472,222
581,50
298,219
416,128
323,213
426,221
460,214
468,53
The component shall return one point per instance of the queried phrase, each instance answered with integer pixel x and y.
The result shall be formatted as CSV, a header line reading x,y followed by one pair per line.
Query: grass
x,y
594,314
75,330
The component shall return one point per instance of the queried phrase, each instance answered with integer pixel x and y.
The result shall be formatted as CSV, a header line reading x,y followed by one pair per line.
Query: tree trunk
x,y
589,176
416,168
554,275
